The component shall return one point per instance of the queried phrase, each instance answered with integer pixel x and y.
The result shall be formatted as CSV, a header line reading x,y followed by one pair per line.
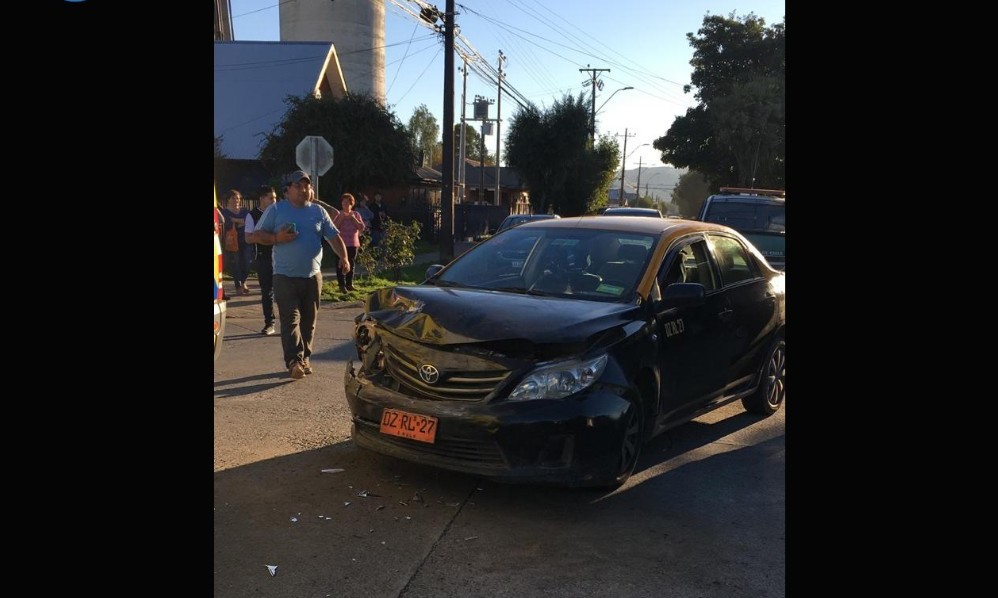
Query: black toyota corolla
x,y
554,350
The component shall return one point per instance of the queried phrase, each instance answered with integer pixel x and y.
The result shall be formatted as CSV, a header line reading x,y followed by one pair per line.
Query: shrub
x,y
396,251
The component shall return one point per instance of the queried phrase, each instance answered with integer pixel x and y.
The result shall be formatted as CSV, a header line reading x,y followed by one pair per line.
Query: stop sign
x,y
314,155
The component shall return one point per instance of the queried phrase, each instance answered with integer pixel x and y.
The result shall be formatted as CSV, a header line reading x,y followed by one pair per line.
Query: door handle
x,y
725,314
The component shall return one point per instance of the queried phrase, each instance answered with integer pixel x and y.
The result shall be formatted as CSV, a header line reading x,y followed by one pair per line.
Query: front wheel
x,y
630,445
766,400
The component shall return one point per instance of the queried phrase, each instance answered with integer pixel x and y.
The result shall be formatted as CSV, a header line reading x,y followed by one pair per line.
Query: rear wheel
x,y
766,400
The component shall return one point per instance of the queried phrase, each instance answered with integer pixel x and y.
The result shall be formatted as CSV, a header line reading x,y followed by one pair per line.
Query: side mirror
x,y
682,294
432,271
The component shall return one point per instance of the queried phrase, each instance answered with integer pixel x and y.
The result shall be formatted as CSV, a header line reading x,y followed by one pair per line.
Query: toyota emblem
x,y
429,374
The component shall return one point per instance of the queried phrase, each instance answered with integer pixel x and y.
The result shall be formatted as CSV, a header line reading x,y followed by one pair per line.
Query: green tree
x,y
689,193
551,151
371,146
472,145
736,134
749,124
425,131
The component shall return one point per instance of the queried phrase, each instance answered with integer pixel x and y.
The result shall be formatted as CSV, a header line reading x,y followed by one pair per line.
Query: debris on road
x,y
471,538
272,569
331,470
366,494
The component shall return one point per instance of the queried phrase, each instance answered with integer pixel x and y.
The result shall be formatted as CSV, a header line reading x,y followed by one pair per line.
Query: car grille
x,y
480,452
462,385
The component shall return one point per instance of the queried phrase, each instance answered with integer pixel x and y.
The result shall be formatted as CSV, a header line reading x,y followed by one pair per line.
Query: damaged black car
x,y
554,350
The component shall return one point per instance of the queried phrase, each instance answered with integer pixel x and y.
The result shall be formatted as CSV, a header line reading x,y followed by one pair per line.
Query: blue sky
x,y
546,42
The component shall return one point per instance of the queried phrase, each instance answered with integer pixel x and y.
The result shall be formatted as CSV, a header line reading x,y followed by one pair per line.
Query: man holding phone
x,y
296,228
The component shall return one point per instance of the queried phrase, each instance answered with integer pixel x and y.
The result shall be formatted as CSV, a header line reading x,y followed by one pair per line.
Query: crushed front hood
x,y
445,316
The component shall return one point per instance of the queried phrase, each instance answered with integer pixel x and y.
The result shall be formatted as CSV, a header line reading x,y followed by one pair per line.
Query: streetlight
x,y
623,163
610,98
593,119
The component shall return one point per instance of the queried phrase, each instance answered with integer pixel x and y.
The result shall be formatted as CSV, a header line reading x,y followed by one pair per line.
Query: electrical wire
x,y
401,62
420,75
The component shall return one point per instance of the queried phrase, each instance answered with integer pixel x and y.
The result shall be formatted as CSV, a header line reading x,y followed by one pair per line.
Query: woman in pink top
x,y
350,225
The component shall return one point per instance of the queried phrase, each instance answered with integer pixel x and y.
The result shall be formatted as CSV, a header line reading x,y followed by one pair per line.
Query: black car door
x,y
691,363
746,309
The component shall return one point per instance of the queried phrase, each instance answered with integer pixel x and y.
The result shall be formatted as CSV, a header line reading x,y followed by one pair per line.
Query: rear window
x,y
748,216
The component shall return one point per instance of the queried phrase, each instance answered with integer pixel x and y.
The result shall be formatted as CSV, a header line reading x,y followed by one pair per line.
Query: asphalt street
x,y
704,516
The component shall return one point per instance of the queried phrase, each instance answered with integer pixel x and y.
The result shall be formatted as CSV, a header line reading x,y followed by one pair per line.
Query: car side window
x,y
733,260
691,264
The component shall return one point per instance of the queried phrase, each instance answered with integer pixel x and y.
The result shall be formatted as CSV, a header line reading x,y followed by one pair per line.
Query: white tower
x,y
355,27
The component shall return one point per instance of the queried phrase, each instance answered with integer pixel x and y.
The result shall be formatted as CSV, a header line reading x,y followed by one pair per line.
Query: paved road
x,y
703,517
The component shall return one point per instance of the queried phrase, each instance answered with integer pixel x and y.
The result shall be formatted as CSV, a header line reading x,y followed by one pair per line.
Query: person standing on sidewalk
x,y
296,228
264,257
378,221
350,224
235,258
365,212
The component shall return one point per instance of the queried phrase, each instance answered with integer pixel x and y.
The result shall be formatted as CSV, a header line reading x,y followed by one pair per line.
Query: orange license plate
x,y
409,425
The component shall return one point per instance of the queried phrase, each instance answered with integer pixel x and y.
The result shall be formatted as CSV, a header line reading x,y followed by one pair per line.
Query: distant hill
x,y
661,180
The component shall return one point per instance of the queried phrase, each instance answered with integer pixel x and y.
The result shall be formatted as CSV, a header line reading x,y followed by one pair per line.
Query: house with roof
x,y
251,81
252,78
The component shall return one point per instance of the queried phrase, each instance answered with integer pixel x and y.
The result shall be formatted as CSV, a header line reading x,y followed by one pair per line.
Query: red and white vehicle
x,y
218,293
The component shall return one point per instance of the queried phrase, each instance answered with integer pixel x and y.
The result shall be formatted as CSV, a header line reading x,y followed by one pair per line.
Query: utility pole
x,y
502,60
592,113
447,195
481,165
637,188
623,163
464,104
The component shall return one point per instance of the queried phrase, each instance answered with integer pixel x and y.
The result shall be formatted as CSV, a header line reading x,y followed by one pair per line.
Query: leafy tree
x,y
644,202
472,145
749,123
736,134
371,146
425,131
552,152
689,193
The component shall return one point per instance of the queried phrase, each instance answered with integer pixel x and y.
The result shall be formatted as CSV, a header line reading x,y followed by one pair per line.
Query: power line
x,y
263,9
401,62
235,66
428,65
590,52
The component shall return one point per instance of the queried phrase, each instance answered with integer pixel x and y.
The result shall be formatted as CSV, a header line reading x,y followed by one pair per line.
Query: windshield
x,y
745,217
559,262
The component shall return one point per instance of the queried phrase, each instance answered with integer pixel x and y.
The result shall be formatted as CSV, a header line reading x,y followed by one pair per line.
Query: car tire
x,y
772,390
630,445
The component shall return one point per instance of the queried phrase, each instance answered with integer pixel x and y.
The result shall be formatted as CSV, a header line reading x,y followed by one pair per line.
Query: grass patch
x,y
364,286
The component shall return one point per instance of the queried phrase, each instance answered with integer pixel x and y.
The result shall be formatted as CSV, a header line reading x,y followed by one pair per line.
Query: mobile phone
x,y
291,227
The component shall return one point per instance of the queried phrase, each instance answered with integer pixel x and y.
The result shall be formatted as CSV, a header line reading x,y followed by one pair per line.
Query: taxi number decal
x,y
674,327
